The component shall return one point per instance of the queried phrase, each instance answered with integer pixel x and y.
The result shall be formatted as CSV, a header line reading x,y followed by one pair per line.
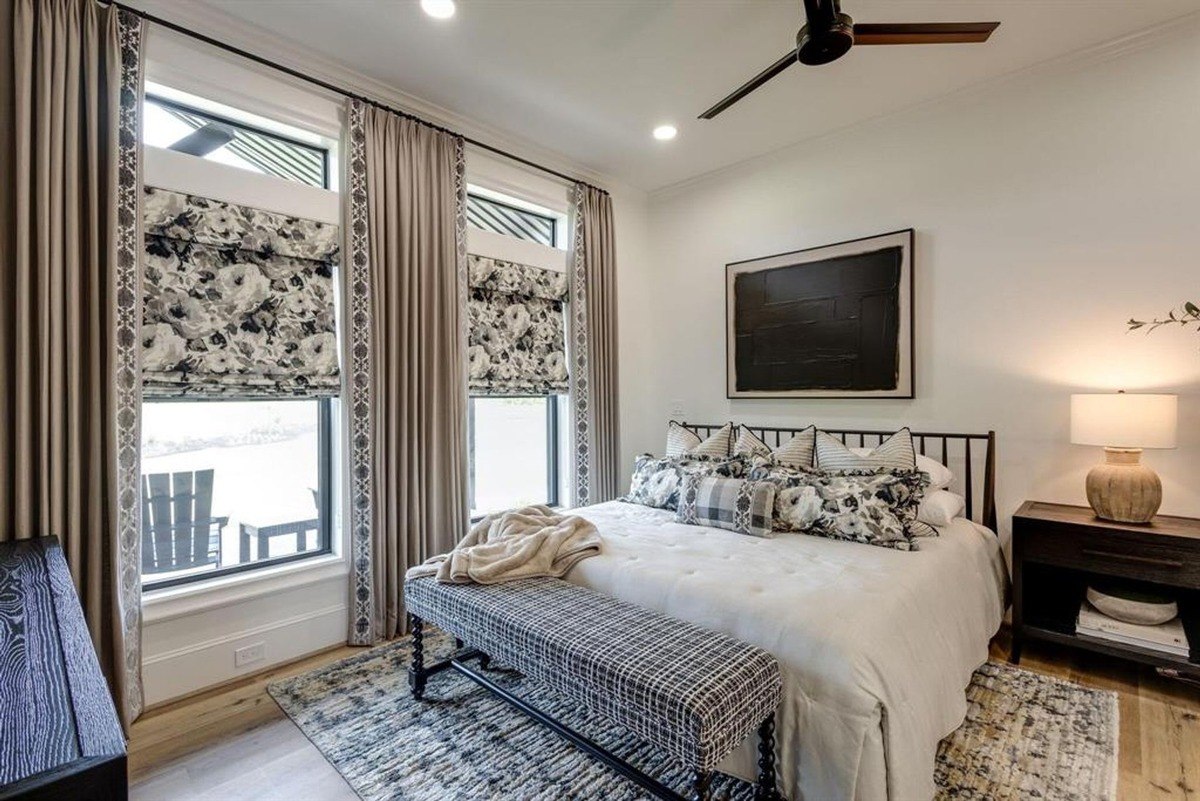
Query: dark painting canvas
x,y
831,321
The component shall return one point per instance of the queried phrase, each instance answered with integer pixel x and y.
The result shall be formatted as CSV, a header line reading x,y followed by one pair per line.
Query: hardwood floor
x,y
234,743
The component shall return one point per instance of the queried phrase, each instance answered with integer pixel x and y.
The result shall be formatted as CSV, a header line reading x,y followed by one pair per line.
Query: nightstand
x,y
1058,549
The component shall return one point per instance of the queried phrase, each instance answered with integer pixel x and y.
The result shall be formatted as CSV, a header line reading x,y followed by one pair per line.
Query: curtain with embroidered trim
x,y
408,408
516,329
594,392
70,156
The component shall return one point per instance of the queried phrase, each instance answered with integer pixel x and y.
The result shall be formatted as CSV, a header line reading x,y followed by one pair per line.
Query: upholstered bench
x,y
693,693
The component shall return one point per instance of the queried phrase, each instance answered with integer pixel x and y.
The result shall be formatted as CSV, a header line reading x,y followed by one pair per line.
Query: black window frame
x,y
553,451
549,218
245,126
325,490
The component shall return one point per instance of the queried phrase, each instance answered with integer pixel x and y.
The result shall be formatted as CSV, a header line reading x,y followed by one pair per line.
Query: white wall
x,y
1049,208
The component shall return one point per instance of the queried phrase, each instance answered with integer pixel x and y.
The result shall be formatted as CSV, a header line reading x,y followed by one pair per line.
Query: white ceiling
x,y
591,78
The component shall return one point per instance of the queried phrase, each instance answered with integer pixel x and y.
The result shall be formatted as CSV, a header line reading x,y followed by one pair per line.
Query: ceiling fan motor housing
x,y
826,43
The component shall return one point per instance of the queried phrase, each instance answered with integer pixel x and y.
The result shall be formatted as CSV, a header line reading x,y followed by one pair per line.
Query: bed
x,y
877,646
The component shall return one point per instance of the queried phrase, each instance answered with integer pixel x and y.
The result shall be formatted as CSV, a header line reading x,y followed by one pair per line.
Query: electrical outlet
x,y
677,411
249,654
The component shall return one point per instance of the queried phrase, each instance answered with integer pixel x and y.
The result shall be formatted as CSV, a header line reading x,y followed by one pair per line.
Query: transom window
x,y
184,128
489,214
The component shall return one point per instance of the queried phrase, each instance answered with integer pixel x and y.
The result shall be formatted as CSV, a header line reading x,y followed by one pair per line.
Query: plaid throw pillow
x,y
729,503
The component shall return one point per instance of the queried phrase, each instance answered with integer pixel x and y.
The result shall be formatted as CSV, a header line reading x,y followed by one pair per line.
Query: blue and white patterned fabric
x,y
694,693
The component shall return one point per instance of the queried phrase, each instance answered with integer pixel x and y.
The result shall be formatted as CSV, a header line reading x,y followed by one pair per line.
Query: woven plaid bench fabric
x,y
694,693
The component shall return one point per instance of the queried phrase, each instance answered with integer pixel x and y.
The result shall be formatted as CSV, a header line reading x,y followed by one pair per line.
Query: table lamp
x,y
1122,488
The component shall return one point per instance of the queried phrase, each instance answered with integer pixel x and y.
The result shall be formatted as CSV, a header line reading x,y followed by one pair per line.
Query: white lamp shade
x,y
1124,420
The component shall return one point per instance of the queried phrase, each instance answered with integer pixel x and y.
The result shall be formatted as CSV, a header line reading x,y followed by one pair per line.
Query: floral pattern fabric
x,y
876,507
516,341
237,301
656,481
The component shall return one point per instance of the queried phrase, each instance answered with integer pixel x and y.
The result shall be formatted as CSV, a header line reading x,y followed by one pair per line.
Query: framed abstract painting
x,y
834,321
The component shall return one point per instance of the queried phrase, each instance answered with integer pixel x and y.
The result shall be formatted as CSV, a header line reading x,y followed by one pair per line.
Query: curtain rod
x,y
341,91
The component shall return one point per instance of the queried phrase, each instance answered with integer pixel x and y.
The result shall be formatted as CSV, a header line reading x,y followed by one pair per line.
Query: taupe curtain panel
x,y
516,342
407,357
238,301
594,395
70,84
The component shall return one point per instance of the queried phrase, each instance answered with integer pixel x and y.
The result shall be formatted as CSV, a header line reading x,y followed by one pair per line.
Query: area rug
x,y
1025,736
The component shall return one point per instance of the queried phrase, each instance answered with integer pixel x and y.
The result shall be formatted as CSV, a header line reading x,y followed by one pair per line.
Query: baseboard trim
x,y
200,666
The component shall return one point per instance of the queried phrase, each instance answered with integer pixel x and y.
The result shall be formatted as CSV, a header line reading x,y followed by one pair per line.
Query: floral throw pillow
x,y
876,507
656,480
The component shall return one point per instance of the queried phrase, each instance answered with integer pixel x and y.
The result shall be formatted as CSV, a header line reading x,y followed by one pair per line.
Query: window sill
x,y
169,603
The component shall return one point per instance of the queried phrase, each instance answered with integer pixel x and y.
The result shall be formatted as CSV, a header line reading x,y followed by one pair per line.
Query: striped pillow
x,y
894,453
745,507
796,452
682,441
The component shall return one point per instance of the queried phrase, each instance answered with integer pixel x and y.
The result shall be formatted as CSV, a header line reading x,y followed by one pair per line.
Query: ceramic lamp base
x,y
1122,488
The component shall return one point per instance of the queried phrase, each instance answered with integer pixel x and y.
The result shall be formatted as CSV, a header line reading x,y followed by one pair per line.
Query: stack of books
x,y
1167,638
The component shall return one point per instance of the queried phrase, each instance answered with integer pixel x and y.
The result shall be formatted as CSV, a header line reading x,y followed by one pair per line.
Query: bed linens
x,y
876,645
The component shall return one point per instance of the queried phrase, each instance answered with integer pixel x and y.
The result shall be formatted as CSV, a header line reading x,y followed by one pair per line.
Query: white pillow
x,y
940,507
940,476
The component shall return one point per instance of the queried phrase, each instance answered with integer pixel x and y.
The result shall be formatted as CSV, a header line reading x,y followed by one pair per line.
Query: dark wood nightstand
x,y
1058,549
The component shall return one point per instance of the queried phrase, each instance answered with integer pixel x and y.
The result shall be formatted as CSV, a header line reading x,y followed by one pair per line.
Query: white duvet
x,y
877,646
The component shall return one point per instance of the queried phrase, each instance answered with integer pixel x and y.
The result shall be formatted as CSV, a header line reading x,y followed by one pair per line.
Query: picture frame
x,y
832,321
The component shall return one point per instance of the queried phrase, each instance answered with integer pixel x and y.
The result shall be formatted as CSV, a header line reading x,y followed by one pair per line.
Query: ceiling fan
x,y
829,34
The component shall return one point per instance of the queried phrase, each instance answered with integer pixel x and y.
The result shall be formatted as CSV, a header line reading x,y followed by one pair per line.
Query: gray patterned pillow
x,y
656,480
894,453
685,442
876,507
730,503
796,452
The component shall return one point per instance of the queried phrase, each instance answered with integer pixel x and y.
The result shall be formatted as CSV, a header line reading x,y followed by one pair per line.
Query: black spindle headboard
x,y
974,473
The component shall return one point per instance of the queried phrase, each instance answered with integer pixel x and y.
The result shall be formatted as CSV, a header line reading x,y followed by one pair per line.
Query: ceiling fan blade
x,y
203,141
923,33
752,84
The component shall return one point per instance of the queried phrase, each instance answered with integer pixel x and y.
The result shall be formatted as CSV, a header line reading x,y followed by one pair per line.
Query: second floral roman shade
x,y
517,341
238,301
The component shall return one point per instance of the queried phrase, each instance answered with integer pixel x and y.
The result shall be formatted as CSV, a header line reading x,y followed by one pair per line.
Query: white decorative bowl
x,y
1133,607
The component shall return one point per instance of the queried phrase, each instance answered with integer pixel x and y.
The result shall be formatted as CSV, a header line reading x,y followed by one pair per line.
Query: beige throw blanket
x,y
521,543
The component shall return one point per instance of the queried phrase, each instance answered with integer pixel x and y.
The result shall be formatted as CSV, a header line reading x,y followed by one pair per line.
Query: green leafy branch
x,y
1185,315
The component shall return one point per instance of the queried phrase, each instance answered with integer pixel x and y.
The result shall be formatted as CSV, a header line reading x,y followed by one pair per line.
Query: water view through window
x,y
229,483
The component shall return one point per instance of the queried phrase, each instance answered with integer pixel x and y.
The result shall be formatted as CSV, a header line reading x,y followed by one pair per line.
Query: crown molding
x,y
1177,28
218,24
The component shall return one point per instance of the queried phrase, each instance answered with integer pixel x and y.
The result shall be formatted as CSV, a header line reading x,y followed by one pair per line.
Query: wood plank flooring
x,y
234,743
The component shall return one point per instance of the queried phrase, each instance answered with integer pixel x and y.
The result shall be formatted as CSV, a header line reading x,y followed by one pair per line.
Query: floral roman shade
x,y
517,344
238,301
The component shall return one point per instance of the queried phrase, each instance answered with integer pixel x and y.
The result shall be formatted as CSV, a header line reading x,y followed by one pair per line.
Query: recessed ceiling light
x,y
438,9
665,132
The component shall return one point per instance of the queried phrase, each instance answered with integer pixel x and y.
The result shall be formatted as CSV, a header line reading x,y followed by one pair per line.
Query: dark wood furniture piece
x,y
974,471
59,733
1058,549
178,529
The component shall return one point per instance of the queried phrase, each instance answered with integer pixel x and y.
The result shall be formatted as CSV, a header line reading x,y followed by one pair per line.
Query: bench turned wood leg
x,y
766,789
416,671
700,785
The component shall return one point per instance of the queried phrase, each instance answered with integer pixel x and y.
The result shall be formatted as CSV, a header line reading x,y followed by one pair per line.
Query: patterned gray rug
x,y
1025,736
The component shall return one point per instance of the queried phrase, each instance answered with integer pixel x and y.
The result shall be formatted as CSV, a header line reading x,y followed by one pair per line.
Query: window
x,y
491,214
240,372
515,452
229,485
177,126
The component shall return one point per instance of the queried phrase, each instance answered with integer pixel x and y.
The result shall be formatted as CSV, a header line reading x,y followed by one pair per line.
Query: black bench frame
x,y
418,675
